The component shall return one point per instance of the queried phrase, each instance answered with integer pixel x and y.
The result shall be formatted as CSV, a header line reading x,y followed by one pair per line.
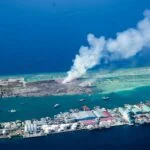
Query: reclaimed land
x,y
75,119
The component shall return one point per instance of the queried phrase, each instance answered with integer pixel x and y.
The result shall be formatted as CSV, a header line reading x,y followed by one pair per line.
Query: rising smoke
x,y
127,44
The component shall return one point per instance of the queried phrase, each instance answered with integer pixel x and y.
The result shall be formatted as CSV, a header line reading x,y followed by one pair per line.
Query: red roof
x,y
106,114
89,122
85,108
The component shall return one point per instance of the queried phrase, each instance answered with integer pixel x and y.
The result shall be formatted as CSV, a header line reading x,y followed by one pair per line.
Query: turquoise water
x,y
29,108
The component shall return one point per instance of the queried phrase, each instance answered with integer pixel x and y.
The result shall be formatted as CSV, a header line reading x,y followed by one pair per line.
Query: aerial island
x,y
17,87
92,82
75,119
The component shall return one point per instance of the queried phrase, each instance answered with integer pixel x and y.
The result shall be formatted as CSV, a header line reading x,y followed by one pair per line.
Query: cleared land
x,y
51,84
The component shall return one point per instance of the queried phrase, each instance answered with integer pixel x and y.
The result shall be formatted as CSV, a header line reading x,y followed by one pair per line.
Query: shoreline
x,y
50,84
76,120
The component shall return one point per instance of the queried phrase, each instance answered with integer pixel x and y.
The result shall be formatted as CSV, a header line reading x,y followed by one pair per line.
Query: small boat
x,y
56,105
105,98
12,111
82,100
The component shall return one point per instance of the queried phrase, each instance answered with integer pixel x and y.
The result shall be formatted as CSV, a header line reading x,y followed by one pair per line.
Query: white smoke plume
x,y
127,44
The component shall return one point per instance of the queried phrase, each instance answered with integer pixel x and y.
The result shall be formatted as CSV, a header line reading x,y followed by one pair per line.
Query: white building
x,y
124,113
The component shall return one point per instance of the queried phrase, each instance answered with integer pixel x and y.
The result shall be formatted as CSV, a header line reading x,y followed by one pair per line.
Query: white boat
x,y
56,105
82,100
12,111
105,98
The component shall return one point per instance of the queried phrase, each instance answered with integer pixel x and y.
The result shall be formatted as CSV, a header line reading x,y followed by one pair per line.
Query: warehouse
x,y
83,115
101,114
98,113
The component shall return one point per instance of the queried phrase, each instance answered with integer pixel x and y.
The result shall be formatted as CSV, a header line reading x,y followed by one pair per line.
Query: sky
x,y
44,35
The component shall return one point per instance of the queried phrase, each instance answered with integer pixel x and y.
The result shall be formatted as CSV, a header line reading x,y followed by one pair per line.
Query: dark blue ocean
x,y
44,36
120,138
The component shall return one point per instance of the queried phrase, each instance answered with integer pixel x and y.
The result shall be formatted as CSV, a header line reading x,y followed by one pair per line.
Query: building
x,y
101,113
125,114
98,113
136,110
30,127
83,115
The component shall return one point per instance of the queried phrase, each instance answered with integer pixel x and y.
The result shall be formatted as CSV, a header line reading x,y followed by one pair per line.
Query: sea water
x,y
125,137
37,107
117,138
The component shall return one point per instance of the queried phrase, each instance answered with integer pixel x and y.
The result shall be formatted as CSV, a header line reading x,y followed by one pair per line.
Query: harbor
x,y
78,119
